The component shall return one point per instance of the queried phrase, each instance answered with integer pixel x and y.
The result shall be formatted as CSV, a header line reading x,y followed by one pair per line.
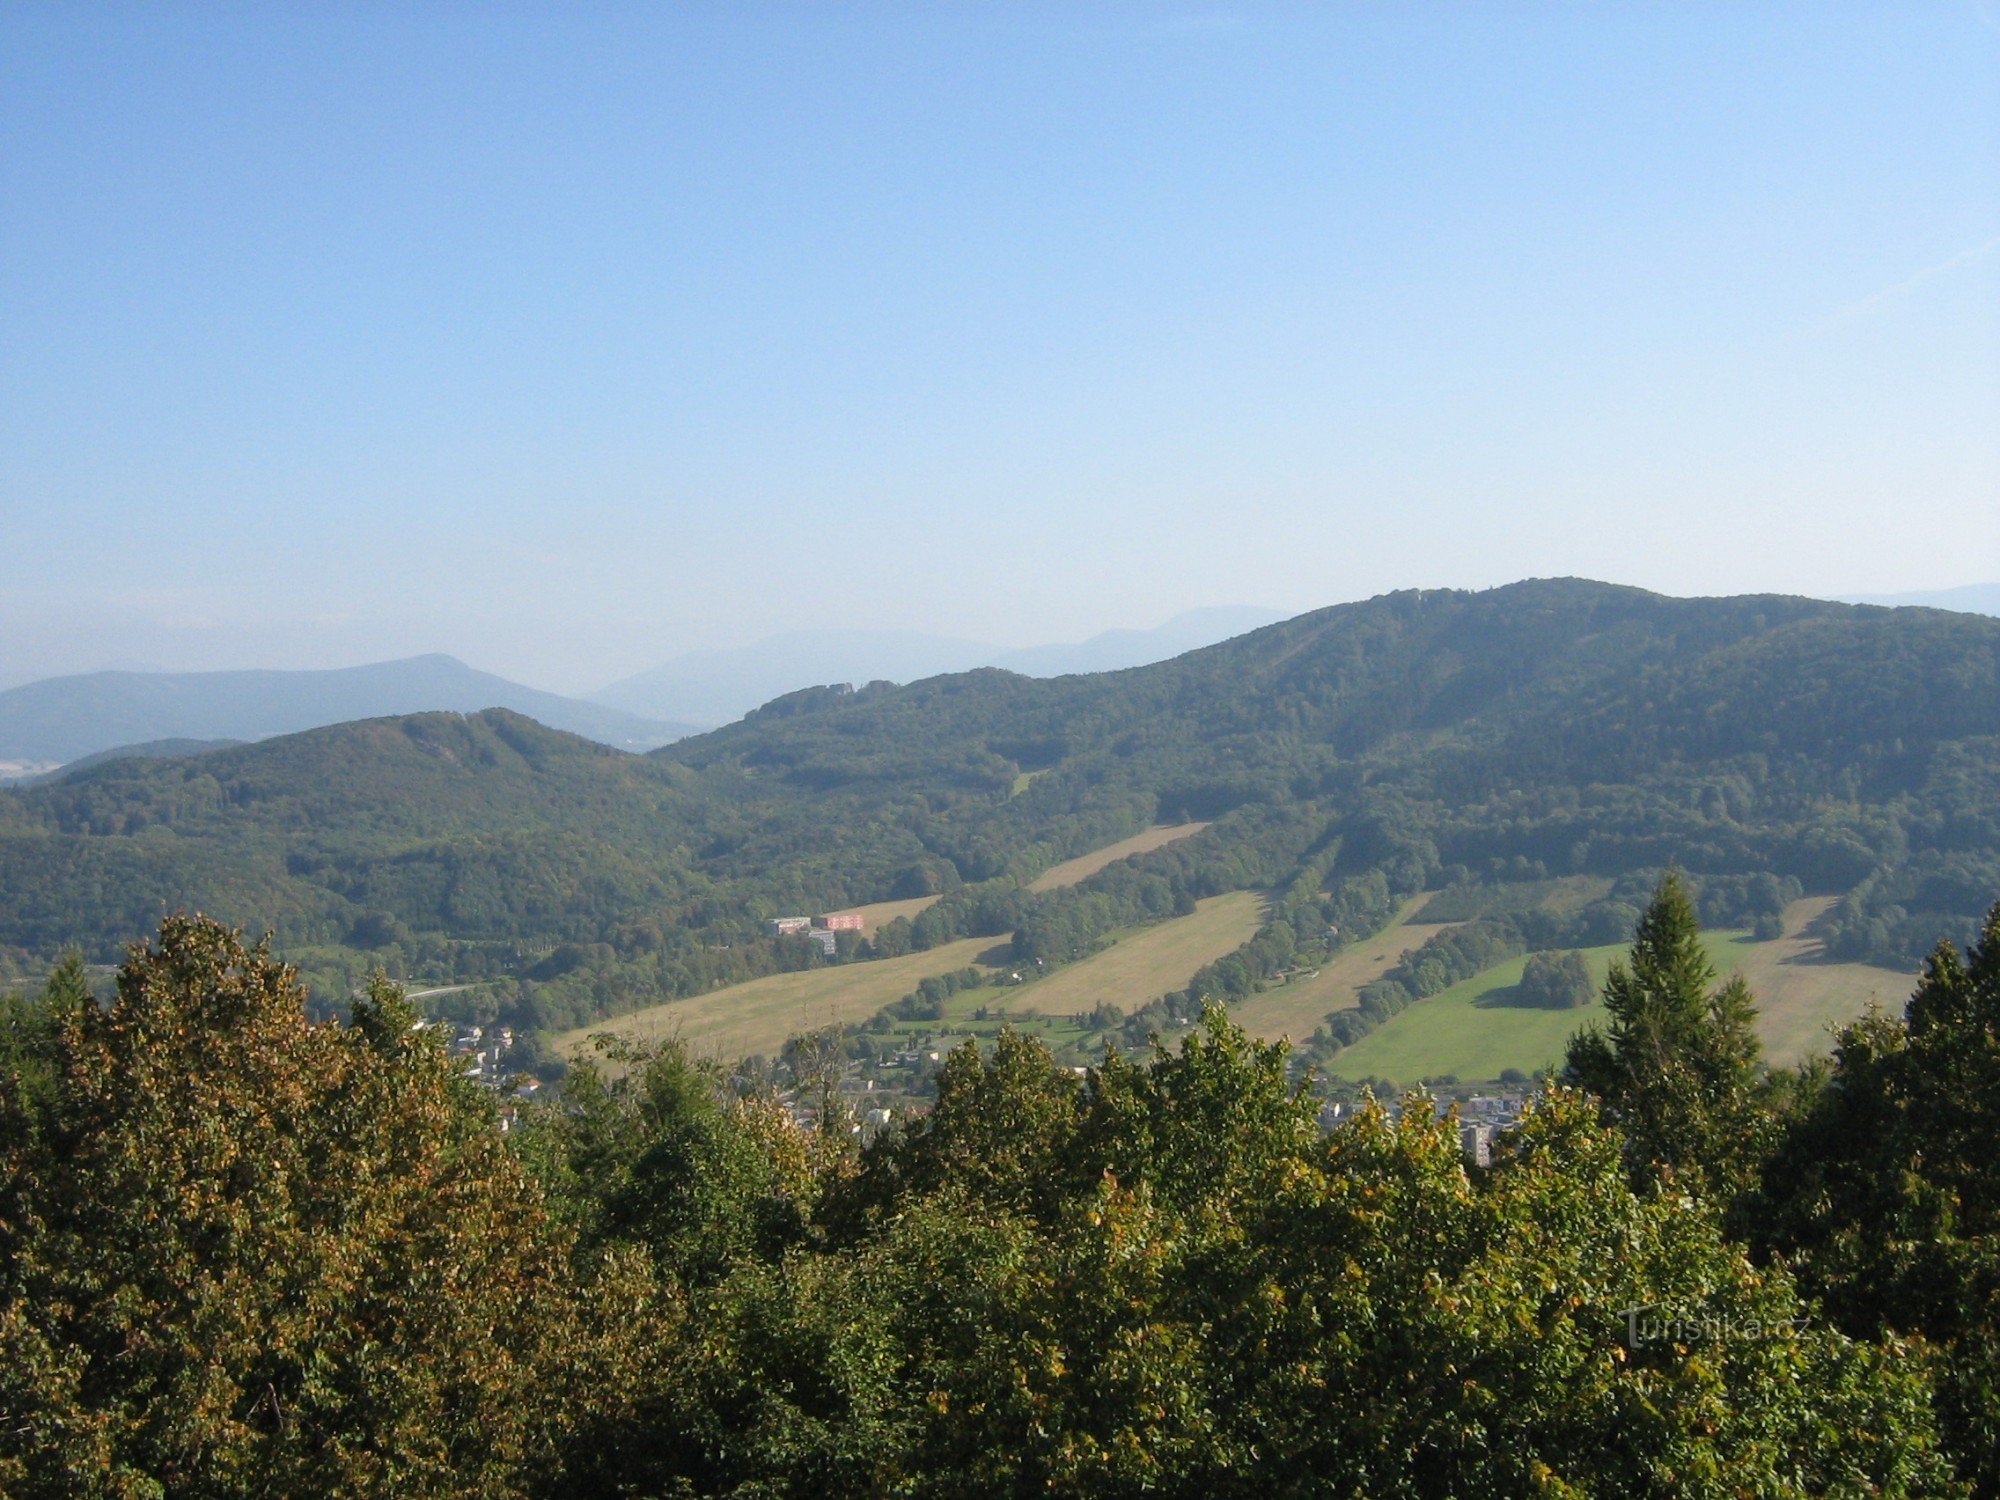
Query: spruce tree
x,y
1677,1068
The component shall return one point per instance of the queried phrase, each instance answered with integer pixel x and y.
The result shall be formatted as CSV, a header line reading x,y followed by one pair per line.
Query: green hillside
x,y
1343,761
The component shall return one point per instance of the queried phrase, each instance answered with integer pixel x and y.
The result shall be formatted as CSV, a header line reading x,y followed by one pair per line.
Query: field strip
x,y
1145,964
1799,999
879,914
1472,1032
1070,871
760,1015
1297,1010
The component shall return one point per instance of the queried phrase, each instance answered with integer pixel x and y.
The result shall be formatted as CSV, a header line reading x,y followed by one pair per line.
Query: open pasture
x,y
759,1015
1473,1032
1146,962
1296,1010
879,914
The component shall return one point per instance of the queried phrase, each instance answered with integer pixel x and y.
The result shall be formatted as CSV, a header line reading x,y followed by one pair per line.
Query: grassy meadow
x,y
1144,963
1296,1010
759,1015
1140,964
1070,871
1472,1031
879,914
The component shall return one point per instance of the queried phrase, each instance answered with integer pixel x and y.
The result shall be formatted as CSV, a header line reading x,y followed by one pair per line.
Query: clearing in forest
x,y
1472,1031
760,1015
1298,1009
1070,871
1799,998
1146,962
879,914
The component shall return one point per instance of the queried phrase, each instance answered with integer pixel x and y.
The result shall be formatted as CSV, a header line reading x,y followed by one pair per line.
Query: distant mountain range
x,y
65,719
1971,598
720,686
62,722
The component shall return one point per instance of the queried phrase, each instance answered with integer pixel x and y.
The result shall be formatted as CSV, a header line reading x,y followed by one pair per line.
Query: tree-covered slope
x,y
67,718
489,826
1547,728
1558,680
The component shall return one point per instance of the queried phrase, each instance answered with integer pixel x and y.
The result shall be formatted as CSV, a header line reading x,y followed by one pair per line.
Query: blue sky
x,y
568,339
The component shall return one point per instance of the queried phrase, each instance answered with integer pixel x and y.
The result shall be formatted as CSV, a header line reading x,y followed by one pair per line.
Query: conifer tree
x,y
1677,1068
1886,1197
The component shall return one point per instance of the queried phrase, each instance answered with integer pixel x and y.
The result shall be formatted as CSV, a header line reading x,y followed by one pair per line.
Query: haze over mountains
x,y
64,719
1971,598
718,686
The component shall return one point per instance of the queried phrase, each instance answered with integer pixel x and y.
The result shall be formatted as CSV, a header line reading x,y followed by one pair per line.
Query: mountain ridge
x,y
64,719
721,685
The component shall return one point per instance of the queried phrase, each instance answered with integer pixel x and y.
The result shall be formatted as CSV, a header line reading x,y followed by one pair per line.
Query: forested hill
x,y
1549,727
65,719
1562,681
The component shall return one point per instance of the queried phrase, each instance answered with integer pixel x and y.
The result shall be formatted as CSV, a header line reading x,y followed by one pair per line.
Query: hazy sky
x,y
566,338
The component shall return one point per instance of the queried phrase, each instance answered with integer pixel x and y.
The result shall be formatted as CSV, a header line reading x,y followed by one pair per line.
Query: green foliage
x,y
1885,1195
999,1130
1556,981
1533,734
239,1253
245,1254
1172,1281
658,1154
1677,1069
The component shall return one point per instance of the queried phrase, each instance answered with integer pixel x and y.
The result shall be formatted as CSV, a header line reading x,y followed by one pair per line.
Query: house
x,y
785,926
829,942
843,921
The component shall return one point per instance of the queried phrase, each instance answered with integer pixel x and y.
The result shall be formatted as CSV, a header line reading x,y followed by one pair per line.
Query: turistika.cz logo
x,y
1655,1325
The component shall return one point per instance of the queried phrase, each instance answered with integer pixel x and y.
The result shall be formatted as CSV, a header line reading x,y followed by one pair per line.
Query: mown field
x,y
879,914
1472,1031
1800,999
1070,871
1143,964
760,1015
1140,965
1296,1010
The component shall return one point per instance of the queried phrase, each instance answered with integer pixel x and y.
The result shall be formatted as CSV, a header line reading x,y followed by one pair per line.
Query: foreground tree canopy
x,y
243,1254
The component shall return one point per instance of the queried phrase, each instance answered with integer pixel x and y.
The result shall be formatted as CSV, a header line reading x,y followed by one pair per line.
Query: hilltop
x,y
719,686
64,719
